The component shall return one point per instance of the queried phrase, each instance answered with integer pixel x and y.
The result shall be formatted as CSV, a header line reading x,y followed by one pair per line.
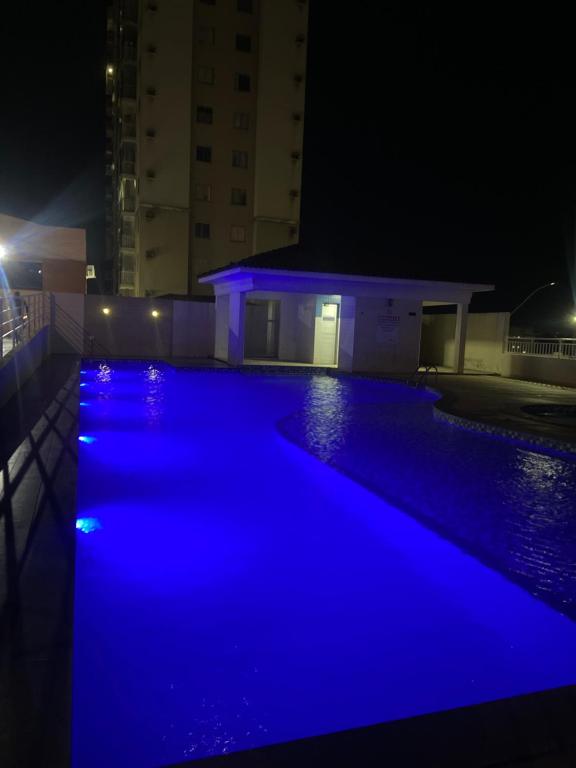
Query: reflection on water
x,y
155,394
513,507
325,416
212,733
104,375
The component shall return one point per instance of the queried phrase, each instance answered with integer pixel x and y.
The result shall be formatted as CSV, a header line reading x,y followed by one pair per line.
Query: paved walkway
x,y
499,401
38,442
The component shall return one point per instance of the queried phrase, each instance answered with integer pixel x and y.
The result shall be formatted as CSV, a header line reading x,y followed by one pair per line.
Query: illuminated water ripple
x,y
513,508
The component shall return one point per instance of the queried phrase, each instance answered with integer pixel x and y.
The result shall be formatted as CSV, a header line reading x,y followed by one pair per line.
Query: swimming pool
x,y
233,590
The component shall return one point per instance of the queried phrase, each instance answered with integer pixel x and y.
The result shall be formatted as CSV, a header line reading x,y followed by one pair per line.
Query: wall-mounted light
x,y
109,69
155,313
3,251
106,310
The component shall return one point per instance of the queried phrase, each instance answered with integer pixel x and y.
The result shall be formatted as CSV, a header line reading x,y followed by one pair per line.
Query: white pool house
x,y
349,322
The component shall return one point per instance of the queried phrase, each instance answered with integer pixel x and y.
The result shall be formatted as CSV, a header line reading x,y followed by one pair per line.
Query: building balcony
x,y
128,167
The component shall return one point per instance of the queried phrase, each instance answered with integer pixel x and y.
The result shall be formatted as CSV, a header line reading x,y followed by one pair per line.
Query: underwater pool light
x,y
88,524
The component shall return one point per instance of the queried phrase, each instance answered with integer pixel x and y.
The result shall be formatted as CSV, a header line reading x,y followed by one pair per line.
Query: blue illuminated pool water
x,y
234,590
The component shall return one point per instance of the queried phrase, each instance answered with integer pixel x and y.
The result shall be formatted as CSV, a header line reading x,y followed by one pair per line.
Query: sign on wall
x,y
388,329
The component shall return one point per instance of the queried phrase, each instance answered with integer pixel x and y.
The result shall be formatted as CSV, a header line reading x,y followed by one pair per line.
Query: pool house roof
x,y
288,270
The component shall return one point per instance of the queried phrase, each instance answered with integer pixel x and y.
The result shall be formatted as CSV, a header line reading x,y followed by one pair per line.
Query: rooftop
x,y
367,263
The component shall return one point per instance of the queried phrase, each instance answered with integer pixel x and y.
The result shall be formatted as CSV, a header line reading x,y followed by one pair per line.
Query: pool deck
x,y
38,429
497,402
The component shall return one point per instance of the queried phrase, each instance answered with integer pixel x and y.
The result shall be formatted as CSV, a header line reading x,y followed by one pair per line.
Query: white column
x,y
460,337
221,327
346,333
236,317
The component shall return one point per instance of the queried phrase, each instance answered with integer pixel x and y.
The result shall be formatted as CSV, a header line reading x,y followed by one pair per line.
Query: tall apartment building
x,y
204,136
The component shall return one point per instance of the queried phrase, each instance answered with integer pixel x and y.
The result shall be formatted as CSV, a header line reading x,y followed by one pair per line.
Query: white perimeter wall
x,y
485,337
182,329
549,370
193,329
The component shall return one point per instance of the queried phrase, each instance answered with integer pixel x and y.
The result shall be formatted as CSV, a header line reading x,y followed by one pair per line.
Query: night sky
x,y
442,136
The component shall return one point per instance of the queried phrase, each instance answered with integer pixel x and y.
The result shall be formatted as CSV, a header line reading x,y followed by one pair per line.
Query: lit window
x,y
243,43
202,230
242,120
206,75
242,82
206,35
203,193
239,159
204,154
204,114
239,197
238,234
244,6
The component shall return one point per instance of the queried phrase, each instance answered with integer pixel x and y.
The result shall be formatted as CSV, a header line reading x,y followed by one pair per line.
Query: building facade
x,y
204,138
37,257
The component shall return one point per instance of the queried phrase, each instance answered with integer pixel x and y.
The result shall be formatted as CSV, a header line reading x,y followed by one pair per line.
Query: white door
x,y
326,335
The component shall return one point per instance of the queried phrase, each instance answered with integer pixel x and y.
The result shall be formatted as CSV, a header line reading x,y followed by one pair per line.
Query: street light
x,y
536,290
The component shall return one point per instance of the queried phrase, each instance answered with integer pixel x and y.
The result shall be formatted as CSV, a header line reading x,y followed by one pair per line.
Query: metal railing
x,y
21,317
75,334
419,378
542,347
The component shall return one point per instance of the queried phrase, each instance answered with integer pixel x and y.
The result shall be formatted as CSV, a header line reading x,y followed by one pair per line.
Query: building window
x,y
239,158
244,6
238,234
242,120
128,158
206,35
128,239
203,193
204,114
202,230
206,75
204,154
128,195
239,197
242,82
243,43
